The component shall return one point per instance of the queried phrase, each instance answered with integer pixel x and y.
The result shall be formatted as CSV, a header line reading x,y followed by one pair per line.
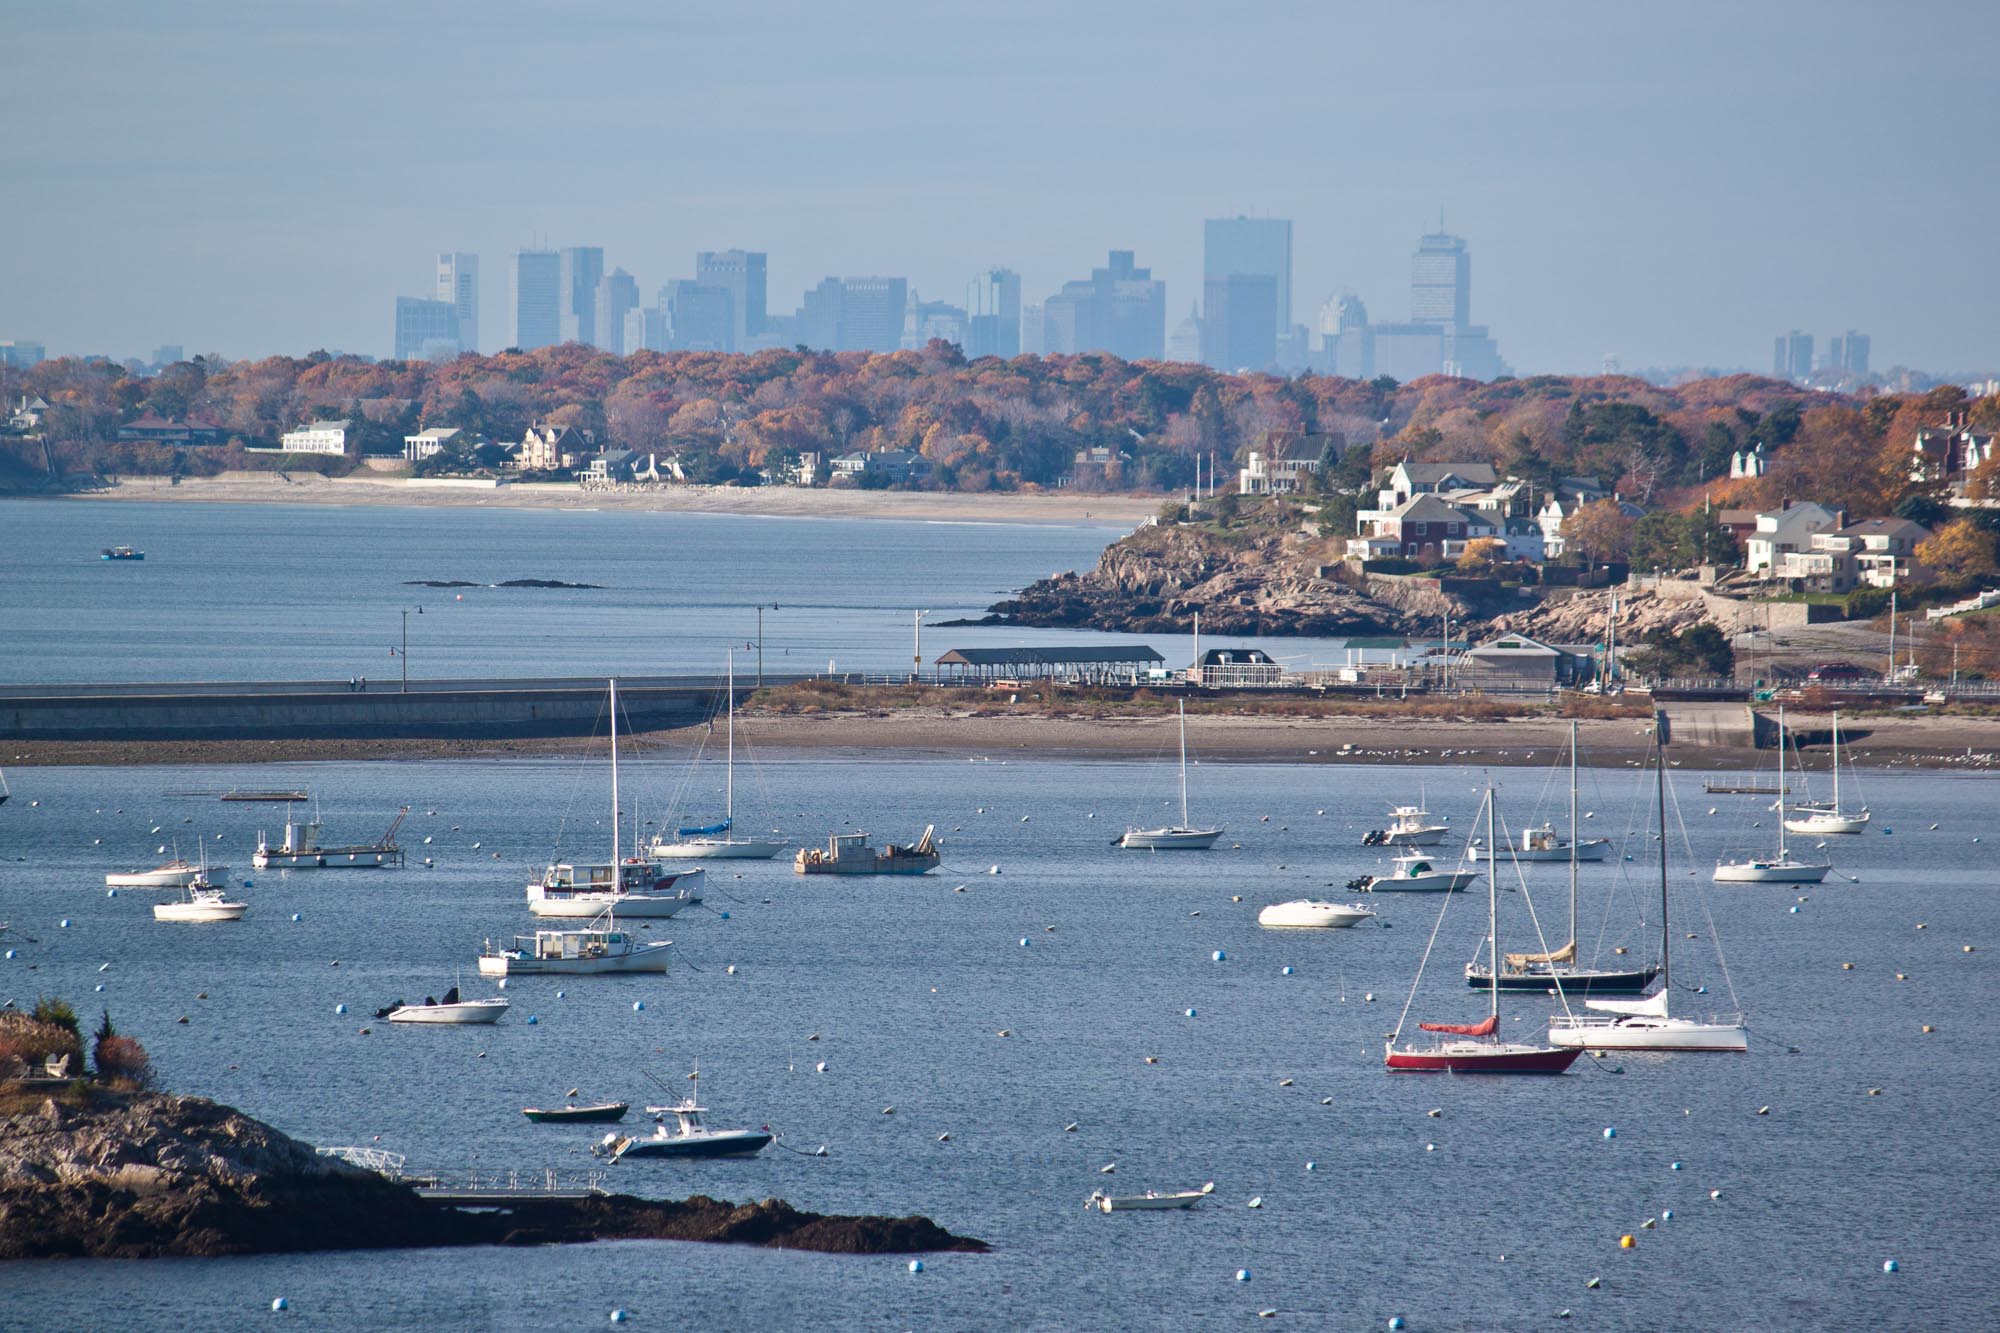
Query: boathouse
x,y
1105,665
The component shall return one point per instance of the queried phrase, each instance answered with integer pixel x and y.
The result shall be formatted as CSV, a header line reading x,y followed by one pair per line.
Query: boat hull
x,y
1575,981
722,1143
1147,1203
647,958
1770,872
625,905
1169,839
200,912
716,849
1456,881
465,1013
1306,915
1423,837
881,865
577,1115
1479,1057
166,877
1824,824
1590,849
336,858
1649,1034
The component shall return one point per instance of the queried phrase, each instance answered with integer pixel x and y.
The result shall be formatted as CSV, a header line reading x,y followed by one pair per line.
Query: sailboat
x,y
1648,1024
717,842
1822,817
1784,868
632,886
1181,837
1557,968
1475,1048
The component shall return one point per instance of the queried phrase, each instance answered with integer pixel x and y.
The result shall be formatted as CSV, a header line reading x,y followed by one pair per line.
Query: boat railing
x,y
378,1160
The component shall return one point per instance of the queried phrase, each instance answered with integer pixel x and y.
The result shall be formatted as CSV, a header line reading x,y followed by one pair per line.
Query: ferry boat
x,y
850,854
301,849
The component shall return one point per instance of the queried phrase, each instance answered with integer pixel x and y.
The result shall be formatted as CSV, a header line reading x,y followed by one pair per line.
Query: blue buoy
x,y
297,917
1242,1275
916,1265
1286,972
281,1304
1890,1266
249,883
560,994
1887,832
340,1008
1666,1214
725,916
1396,1321
1024,941
10,953
1795,909
534,1021
637,1005
111,893
1675,1167
1190,1013
100,985
1610,1133
619,1316
1219,956
64,923
1312,1166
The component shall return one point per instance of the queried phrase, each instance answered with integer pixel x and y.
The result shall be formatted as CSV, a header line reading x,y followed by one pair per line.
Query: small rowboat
x,y
598,1113
1150,1201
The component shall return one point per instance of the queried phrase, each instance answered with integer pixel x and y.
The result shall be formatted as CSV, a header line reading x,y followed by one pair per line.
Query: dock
x,y
473,1190
1713,788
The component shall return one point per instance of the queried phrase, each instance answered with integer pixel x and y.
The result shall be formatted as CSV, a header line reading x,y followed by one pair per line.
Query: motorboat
x,y
1313,913
719,842
450,1010
1824,817
1181,837
1648,1024
120,553
687,1137
1409,826
572,1113
301,849
585,952
1150,1201
1545,844
1415,873
204,902
174,874
1784,868
850,854
641,889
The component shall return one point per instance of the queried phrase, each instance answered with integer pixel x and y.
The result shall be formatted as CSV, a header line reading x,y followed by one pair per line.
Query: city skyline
x,y
1612,211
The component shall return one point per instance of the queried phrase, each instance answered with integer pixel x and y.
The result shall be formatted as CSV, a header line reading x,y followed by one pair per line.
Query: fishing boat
x,y
850,854
1784,868
687,1137
1474,1048
718,842
1181,837
301,849
1648,1024
587,952
174,874
1415,873
1544,844
1150,1201
202,903
572,1113
121,553
1409,826
450,1010
1313,914
1827,817
1558,968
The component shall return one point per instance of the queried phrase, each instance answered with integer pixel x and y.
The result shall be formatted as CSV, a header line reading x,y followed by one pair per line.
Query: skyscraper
x,y
1792,359
742,273
425,330
537,299
582,270
1250,247
1238,328
617,294
993,314
1848,352
458,283
1441,281
700,317
871,313
1121,309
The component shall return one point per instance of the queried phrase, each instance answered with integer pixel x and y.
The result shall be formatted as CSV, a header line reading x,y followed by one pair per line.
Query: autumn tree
x,y
1601,531
1961,552
1481,554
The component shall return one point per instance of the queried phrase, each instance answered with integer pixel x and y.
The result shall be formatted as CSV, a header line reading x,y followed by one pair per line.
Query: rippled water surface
x,y
1493,1214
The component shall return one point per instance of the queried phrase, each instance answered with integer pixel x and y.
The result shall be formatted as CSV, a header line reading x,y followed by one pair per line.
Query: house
x,y
28,413
890,466
1749,462
1875,553
1422,526
616,465
1788,530
152,428
1260,475
546,448
1517,662
1411,479
1236,669
434,441
1948,455
1098,468
318,437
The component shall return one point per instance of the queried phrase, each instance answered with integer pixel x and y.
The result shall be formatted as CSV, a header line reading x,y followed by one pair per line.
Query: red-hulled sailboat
x,y
1476,1048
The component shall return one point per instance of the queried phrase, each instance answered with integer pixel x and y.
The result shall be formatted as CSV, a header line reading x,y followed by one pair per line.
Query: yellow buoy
x,y
1627,1242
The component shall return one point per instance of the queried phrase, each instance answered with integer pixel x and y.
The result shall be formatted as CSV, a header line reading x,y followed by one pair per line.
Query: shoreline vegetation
x,y
818,718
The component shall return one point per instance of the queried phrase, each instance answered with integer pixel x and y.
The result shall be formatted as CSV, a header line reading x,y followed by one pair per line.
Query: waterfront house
x,y
546,448
1236,669
1409,479
1784,531
1261,475
1948,455
1423,526
27,414
1517,662
1875,553
434,441
154,429
890,467
317,437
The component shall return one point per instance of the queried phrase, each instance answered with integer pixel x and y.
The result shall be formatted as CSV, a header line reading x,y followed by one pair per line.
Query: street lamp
x,y
761,608
404,652
917,650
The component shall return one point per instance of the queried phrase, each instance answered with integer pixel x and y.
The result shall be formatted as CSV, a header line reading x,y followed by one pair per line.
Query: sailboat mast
x,y
1492,912
1660,791
617,878
729,769
1781,782
1184,804
1836,761
1572,831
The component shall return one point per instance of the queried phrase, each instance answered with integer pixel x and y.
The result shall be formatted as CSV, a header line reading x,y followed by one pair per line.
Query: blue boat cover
x,y
723,827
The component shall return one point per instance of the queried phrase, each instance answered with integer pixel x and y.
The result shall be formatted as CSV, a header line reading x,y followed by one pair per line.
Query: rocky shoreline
x,y
87,1172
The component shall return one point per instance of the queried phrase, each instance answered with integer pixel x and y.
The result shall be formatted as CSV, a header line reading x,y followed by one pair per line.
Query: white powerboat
x,y
1313,913
687,1138
1181,837
642,889
1784,868
1150,1201
585,952
450,1010
718,842
1823,817
1545,844
1414,873
174,874
1409,826
204,902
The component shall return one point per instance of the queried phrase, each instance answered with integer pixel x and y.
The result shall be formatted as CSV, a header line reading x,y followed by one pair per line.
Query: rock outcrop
x,y
112,1175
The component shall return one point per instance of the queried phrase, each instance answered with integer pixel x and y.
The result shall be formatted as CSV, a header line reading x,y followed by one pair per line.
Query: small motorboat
x,y
1545,844
687,1138
1313,913
204,902
174,874
121,553
450,1010
1409,826
1150,1201
1414,873
599,1113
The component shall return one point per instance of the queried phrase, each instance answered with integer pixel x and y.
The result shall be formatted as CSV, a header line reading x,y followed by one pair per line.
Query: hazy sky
x,y
1675,183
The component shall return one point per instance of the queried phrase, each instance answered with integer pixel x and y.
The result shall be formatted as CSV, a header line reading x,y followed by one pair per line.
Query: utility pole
x,y
1890,679
760,641
404,654
917,646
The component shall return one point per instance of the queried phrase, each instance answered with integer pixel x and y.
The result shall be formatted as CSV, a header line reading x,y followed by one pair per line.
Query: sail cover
x,y
1566,954
723,827
1653,1006
1486,1027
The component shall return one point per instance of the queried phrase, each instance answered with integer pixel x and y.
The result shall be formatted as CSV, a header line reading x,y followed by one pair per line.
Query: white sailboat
x,y
1824,817
1648,1024
1784,868
718,842
1179,837
631,885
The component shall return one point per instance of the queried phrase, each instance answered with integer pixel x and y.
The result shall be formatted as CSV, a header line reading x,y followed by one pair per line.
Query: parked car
x,y
1837,671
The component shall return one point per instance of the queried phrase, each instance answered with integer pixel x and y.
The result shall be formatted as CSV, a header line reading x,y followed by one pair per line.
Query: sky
x,y
1674,184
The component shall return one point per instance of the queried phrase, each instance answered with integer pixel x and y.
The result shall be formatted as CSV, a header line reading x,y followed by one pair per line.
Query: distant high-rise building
x,y
700,317
167,354
646,330
1184,343
426,330
537,299
1250,247
742,272
925,320
1121,309
458,283
1793,355
617,296
1034,331
1238,330
993,314
582,270
1848,352
855,314
21,353
1441,281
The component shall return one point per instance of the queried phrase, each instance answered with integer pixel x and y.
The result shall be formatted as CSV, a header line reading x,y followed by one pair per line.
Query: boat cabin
x,y
636,875
571,943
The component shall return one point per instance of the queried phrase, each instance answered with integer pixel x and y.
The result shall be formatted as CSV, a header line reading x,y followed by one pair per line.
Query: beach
x,y
765,501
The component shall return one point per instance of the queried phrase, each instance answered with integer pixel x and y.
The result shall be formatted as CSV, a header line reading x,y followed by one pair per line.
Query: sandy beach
x,y
764,501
